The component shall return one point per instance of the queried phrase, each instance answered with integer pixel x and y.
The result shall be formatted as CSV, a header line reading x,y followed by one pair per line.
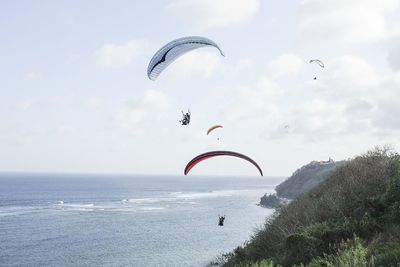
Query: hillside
x,y
350,219
305,178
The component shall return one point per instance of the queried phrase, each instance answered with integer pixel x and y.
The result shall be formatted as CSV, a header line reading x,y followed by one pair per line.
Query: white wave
x,y
213,194
152,208
149,200
144,200
60,202
78,206
187,197
74,205
18,210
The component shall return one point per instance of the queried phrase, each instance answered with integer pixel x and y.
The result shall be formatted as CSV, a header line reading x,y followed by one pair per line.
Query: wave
x,y
78,206
143,200
214,194
188,197
151,208
18,210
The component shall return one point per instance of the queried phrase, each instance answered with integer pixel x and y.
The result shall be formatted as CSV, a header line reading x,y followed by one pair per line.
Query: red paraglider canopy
x,y
212,154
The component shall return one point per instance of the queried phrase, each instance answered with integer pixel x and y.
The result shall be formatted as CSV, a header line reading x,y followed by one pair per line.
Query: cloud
x,y
135,114
394,57
206,14
119,55
285,65
319,116
24,105
253,102
347,76
32,76
350,97
342,21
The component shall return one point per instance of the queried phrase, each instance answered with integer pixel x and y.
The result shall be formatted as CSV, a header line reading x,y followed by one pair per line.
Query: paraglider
x,y
173,50
221,220
212,154
212,128
319,62
185,118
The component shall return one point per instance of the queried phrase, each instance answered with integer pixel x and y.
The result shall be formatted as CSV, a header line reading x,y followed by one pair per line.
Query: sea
x,y
126,220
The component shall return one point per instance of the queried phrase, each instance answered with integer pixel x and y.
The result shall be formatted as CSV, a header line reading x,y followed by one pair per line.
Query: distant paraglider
x,y
212,154
221,220
319,62
212,128
173,50
185,118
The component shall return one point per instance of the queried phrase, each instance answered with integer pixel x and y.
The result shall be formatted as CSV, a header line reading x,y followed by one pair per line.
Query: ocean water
x,y
106,220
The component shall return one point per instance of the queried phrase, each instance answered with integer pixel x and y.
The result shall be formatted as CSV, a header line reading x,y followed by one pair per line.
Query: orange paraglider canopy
x,y
213,128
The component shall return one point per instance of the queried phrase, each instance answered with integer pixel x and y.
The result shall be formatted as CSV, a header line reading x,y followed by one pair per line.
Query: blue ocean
x,y
108,220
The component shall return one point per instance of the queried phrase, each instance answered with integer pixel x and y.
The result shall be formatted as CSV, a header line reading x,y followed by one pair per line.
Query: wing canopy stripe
x,y
211,154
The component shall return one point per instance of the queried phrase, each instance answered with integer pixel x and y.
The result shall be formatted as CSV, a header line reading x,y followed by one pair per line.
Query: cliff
x,y
306,178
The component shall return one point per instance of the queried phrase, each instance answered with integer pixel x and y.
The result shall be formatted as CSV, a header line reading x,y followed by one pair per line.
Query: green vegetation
x,y
350,219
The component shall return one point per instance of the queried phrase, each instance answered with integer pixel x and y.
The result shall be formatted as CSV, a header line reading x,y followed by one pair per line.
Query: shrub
x,y
360,197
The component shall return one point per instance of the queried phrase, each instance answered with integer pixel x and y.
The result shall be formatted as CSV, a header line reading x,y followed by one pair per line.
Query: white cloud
x,y
206,14
343,21
349,97
32,76
119,55
352,98
394,57
155,100
287,64
320,117
254,102
25,105
93,102
348,76
134,115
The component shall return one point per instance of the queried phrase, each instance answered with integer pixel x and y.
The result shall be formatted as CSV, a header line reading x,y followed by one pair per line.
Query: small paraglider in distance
x,y
221,220
319,62
212,128
173,50
185,118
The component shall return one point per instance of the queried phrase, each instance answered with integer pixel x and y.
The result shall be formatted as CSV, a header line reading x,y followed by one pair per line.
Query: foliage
x,y
360,198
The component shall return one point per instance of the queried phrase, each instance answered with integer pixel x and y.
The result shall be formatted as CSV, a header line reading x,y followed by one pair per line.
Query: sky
x,y
75,97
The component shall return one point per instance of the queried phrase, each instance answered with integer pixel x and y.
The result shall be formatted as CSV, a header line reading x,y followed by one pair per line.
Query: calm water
x,y
99,220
